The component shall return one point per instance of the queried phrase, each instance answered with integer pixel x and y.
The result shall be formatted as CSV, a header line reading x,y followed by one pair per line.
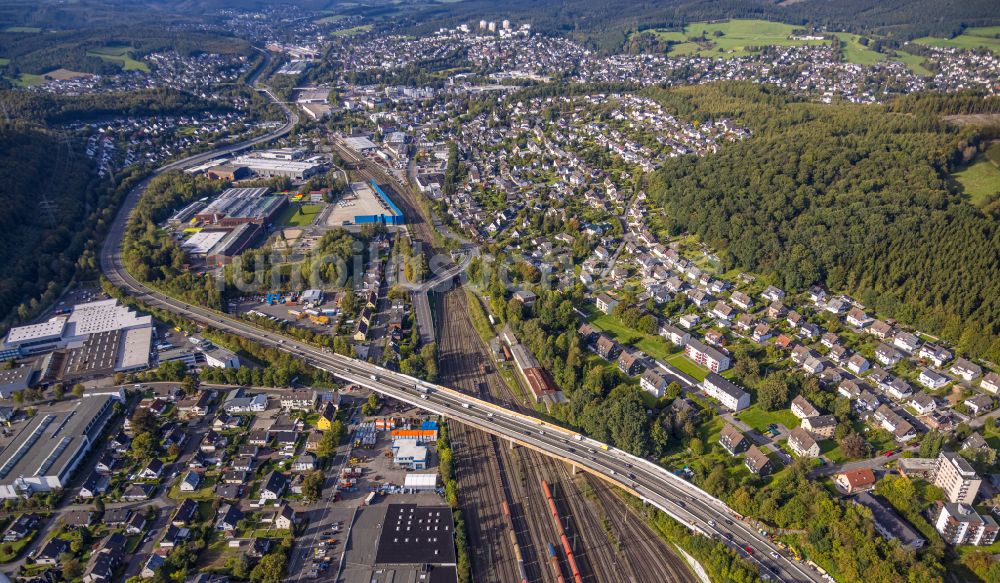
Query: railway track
x,y
611,543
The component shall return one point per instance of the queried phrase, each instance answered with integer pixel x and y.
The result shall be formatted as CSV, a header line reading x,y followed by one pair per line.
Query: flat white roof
x,y
133,351
420,481
202,241
103,316
360,143
46,330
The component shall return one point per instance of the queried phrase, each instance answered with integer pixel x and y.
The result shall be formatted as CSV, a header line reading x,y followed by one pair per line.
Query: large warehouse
x,y
96,338
270,166
237,206
45,452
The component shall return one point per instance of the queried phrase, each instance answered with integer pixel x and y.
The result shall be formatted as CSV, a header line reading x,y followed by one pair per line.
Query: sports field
x,y
972,38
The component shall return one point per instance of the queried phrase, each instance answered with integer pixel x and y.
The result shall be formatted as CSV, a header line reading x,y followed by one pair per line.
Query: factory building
x,y
44,454
94,339
283,163
237,206
232,244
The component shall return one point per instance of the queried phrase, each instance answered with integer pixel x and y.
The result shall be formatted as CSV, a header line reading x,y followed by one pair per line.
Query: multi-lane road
x,y
652,483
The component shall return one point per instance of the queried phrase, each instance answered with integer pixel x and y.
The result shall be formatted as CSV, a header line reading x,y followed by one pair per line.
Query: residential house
x,y
858,364
137,492
723,311
285,518
22,526
52,551
741,300
227,517
304,463
630,362
966,369
273,486
991,383
934,353
675,335
906,341
136,524
105,560
931,379
186,513
922,403
327,415
854,481
803,444
822,426
190,481
761,333
980,404
653,383
899,389
605,303
731,395
606,347
733,440
154,563
152,470
960,524
757,461
299,399
880,329
712,359
802,408
857,317
772,294
887,355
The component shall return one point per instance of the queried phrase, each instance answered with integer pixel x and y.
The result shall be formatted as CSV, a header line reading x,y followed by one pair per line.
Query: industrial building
x,y
407,454
280,163
45,452
422,535
391,215
237,206
232,244
95,338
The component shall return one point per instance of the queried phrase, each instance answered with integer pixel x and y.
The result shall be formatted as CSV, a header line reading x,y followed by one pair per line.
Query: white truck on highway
x,y
423,387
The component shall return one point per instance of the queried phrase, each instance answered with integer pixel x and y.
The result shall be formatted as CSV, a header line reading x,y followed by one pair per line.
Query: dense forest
x,y
47,108
854,197
54,208
37,53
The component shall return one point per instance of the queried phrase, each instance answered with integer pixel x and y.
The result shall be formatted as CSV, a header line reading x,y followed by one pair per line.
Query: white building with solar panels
x,y
45,453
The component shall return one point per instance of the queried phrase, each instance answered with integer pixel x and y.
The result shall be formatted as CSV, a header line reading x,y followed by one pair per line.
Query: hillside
x,y
47,192
855,197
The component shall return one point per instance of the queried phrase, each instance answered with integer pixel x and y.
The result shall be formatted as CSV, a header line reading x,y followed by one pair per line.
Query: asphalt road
x,y
656,485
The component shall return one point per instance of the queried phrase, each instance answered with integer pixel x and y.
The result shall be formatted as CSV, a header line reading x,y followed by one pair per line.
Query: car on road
x,y
711,523
890,453
748,550
775,555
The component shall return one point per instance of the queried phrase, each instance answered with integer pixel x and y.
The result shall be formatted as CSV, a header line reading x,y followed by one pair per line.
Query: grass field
x,y
23,29
739,37
687,366
759,419
655,346
27,80
292,216
981,179
120,55
353,31
4,61
973,38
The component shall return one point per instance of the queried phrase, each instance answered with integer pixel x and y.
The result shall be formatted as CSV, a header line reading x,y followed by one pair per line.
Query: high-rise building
x,y
957,478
